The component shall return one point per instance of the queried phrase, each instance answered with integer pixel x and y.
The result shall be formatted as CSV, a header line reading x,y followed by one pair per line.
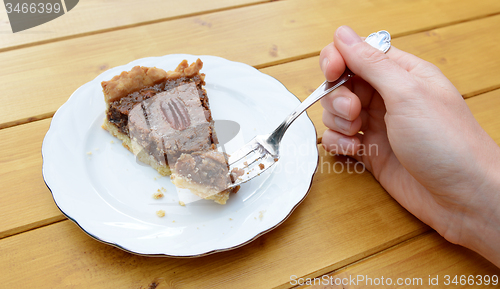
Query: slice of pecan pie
x,y
205,174
160,116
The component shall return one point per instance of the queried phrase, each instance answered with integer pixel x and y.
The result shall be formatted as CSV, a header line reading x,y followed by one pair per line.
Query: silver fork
x,y
262,151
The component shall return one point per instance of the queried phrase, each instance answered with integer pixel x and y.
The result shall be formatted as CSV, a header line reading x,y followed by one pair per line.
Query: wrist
x,y
481,225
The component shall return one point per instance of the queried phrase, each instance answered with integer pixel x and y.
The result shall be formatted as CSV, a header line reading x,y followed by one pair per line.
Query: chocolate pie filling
x,y
205,168
164,119
171,123
119,110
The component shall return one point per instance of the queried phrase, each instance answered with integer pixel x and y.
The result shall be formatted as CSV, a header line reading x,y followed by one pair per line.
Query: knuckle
x,y
429,69
328,119
371,54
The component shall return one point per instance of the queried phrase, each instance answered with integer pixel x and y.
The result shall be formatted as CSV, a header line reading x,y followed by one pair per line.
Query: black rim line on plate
x,y
212,251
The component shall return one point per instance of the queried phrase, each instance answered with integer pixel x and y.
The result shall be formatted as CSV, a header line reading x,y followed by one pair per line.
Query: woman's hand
x,y
419,139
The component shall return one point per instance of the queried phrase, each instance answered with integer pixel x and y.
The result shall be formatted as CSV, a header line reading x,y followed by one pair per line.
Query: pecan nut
x,y
176,113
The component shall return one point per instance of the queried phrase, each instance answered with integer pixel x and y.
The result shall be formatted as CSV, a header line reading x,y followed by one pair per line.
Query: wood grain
x,y
347,225
450,48
68,64
345,217
97,16
363,213
416,261
27,203
485,110
25,200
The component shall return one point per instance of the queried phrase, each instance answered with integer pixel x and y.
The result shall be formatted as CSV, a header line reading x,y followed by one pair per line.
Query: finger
x,y
331,62
406,60
377,68
363,90
341,125
342,102
337,143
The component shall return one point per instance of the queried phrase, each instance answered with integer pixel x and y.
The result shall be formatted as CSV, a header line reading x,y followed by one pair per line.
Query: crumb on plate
x,y
158,195
261,214
160,213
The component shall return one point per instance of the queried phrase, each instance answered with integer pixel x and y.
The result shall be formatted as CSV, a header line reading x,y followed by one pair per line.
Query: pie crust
x,y
161,116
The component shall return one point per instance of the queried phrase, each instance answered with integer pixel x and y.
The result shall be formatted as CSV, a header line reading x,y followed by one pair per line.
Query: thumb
x,y
375,67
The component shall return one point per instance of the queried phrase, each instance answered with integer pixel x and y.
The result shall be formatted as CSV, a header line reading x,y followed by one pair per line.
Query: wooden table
x,y
347,226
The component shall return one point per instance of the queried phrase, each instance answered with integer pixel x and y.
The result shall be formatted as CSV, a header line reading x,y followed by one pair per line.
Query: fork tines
x,y
252,159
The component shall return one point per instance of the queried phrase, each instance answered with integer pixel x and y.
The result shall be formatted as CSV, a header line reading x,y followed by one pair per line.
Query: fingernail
x,y
324,64
342,123
348,36
342,106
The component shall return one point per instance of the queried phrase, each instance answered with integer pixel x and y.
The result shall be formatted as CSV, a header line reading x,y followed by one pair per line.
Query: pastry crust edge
x,y
201,191
135,148
140,77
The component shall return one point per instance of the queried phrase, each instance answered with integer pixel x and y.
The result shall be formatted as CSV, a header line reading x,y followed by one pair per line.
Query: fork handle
x,y
380,40
319,93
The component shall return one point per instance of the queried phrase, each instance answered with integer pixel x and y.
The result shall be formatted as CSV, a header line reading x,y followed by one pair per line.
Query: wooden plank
x,y
327,239
466,53
418,263
345,217
293,29
301,78
26,202
97,16
485,109
364,221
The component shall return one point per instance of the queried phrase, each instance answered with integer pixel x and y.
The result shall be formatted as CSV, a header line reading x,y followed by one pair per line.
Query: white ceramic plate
x,y
99,185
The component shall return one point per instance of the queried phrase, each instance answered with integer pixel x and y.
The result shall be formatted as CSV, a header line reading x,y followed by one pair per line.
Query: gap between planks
x,y
144,23
51,114
368,257
33,226
23,119
396,35
258,66
396,243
